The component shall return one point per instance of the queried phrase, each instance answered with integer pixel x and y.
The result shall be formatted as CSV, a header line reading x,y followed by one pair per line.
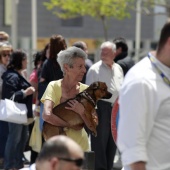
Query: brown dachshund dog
x,y
88,98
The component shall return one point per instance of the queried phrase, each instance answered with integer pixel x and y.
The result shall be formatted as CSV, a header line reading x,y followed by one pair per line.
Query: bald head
x,y
60,153
60,146
72,147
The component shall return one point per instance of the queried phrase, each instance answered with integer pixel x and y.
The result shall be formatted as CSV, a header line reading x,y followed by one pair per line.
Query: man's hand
x,y
138,166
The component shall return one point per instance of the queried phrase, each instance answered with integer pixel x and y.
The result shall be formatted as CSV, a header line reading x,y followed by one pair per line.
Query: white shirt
x,y
113,77
32,167
144,125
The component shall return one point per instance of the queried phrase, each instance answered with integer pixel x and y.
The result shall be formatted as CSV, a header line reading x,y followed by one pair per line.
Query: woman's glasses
x,y
5,55
78,162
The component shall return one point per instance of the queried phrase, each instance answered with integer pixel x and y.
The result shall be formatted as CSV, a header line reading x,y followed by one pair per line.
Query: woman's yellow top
x,y
53,93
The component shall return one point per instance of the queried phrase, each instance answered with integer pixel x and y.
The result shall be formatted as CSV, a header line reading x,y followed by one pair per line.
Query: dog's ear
x,y
95,85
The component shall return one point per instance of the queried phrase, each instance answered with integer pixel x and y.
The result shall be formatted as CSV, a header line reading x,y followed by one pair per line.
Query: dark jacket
x,y
51,71
124,61
13,82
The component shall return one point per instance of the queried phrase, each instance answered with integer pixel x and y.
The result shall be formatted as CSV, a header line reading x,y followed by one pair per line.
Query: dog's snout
x,y
108,95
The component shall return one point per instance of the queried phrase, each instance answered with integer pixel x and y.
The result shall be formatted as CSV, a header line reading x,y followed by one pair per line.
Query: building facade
x,y
81,28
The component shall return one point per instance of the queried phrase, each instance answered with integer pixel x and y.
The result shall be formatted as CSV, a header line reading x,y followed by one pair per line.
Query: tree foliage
x,y
149,4
99,9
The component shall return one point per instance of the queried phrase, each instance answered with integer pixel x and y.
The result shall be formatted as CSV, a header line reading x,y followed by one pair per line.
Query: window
x,y
73,22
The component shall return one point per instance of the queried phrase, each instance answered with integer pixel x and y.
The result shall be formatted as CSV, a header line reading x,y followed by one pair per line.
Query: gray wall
x,y
49,24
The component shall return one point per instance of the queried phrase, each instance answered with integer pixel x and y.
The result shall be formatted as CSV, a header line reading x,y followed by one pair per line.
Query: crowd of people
x,y
60,73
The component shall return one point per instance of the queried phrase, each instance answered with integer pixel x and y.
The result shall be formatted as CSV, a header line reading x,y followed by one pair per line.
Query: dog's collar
x,y
89,98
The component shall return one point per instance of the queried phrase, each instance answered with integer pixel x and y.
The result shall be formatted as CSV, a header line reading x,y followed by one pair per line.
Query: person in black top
x,y
122,57
51,69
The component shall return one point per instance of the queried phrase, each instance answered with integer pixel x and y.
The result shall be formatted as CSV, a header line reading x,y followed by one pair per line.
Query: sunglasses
x,y
5,55
78,162
2,39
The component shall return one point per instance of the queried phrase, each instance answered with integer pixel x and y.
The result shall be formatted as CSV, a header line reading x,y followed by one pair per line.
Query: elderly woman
x,y
72,63
5,52
4,36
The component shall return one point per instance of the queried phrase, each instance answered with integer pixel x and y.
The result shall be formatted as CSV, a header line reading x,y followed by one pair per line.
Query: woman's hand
x,y
29,91
79,108
76,107
37,111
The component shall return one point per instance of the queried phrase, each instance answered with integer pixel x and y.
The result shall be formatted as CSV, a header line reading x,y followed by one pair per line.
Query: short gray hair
x,y
67,56
108,44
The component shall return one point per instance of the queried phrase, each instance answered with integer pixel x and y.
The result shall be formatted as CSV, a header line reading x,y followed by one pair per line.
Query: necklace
x,y
164,77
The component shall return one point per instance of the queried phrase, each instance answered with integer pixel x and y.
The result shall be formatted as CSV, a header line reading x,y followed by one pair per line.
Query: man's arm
x,y
138,166
135,122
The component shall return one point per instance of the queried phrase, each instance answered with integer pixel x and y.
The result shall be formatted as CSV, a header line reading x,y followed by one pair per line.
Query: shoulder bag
x,y
14,112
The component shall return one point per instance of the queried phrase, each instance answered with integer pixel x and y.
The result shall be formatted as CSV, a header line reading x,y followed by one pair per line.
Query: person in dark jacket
x,y
122,57
15,84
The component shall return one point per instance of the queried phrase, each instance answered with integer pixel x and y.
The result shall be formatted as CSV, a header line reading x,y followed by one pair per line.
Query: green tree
x,y
149,4
98,9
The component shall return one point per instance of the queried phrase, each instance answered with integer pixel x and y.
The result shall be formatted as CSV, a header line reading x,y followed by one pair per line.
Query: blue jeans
x,y
17,138
41,119
3,137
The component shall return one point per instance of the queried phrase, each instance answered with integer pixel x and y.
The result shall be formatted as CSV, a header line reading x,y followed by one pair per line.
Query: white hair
x,y
108,44
67,56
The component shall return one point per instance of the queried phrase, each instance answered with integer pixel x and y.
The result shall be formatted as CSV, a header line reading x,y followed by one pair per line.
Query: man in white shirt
x,y
105,70
144,124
